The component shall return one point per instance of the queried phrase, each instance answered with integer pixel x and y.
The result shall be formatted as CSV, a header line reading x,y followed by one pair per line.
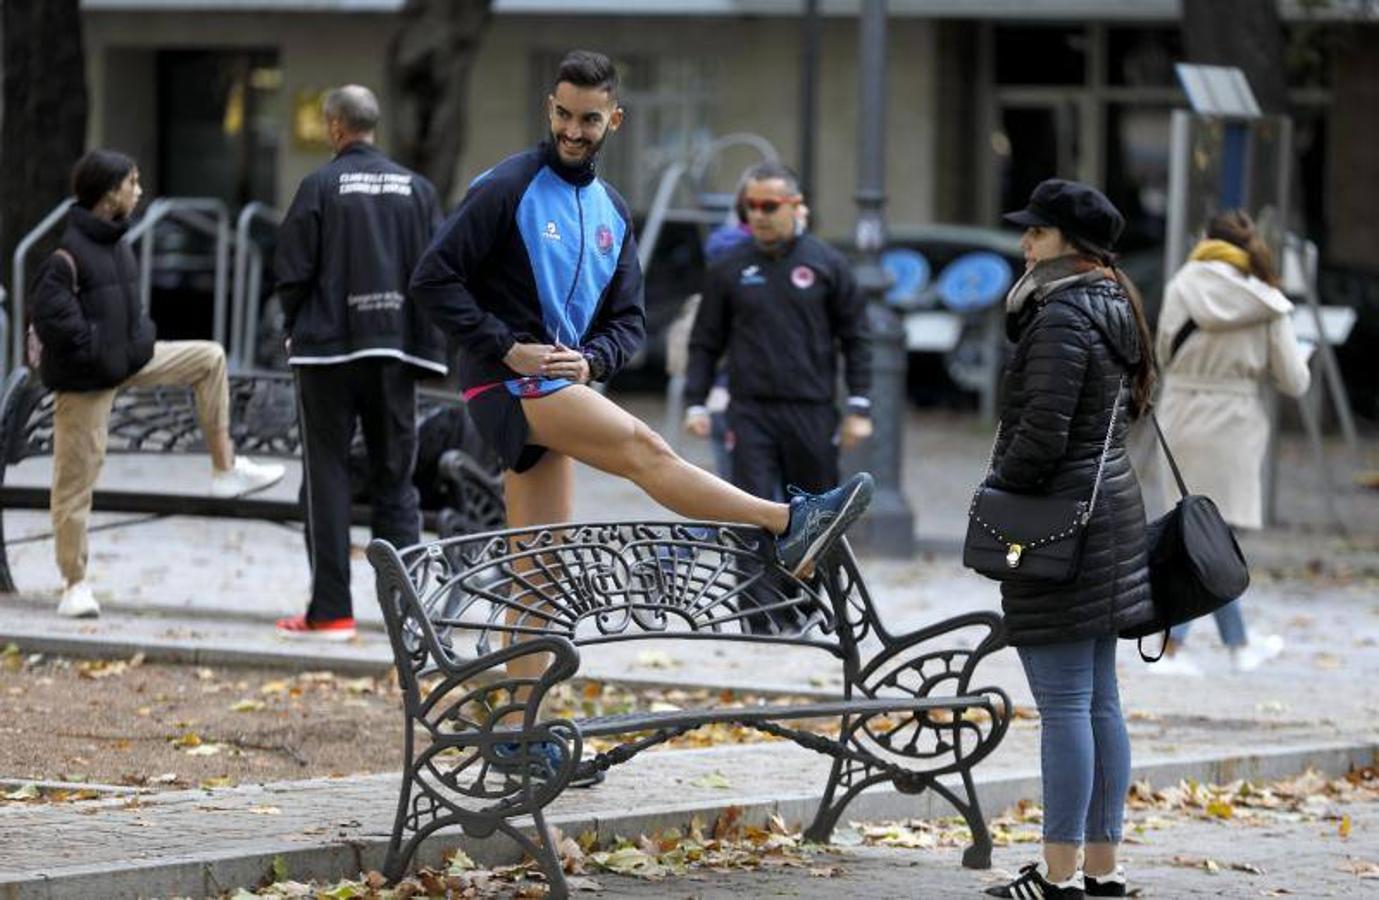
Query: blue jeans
x,y
1084,750
1229,622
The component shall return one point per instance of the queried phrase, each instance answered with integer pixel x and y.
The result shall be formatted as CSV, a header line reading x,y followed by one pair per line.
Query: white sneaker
x,y
78,603
1256,653
1177,664
245,478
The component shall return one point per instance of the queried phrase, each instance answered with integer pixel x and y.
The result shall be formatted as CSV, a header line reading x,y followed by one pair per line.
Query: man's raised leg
x,y
585,425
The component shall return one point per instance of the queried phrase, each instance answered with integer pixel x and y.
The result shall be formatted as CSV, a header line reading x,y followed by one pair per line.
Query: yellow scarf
x,y
1213,250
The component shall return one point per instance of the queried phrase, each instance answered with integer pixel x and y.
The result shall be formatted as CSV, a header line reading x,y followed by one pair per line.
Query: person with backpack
x,y
1224,334
92,338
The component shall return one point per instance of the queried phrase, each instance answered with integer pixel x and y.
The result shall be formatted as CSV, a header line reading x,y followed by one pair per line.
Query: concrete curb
x,y
211,873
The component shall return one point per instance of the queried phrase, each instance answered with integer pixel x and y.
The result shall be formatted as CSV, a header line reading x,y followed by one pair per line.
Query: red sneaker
x,y
298,628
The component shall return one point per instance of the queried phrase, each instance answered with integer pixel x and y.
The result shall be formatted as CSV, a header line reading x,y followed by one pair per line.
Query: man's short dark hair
x,y
770,170
98,173
588,69
355,106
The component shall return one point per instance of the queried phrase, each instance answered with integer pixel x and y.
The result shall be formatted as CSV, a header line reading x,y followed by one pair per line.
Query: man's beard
x,y
592,148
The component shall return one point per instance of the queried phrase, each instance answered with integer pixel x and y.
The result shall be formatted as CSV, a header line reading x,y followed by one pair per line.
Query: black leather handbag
x,y
1195,563
1030,537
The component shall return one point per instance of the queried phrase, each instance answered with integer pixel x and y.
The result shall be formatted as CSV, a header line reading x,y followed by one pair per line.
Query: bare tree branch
x,y
44,129
429,64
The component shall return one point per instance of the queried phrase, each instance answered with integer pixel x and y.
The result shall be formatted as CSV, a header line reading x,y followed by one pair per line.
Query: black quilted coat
x,y
1060,385
98,335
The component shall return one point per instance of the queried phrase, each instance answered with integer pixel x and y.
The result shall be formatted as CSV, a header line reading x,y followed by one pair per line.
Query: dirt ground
x,y
128,722
164,726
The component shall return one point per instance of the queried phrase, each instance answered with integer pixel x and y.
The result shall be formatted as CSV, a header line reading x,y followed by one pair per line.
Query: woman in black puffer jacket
x,y
1082,356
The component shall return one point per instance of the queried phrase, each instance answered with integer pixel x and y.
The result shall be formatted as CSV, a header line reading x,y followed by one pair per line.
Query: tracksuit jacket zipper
x,y
579,264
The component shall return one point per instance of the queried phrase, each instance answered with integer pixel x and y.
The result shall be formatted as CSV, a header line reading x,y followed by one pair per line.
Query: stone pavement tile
x,y
1324,684
1293,859
259,569
331,828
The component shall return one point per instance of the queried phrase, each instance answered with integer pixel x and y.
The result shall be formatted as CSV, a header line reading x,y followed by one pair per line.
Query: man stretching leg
x,y
536,276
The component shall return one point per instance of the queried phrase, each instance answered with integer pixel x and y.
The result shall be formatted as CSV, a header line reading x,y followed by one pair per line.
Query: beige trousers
x,y
80,420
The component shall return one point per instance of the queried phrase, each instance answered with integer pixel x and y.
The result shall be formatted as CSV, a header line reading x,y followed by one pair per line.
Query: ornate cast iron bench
x,y
909,709
263,422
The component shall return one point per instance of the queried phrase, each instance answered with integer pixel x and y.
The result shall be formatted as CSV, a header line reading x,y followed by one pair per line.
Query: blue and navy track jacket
x,y
536,253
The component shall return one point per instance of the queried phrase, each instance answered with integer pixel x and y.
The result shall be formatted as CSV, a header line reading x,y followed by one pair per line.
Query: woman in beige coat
x,y
1224,333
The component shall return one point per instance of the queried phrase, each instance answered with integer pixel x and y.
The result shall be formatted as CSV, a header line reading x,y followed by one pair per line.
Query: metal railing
x,y
19,281
236,292
694,170
4,333
189,211
248,280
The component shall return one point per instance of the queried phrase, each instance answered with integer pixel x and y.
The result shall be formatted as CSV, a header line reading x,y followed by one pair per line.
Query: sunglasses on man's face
x,y
766,206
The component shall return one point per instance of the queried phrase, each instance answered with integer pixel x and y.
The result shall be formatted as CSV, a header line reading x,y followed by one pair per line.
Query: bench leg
x,y
6,580
544,852
853,778
395,864
978,853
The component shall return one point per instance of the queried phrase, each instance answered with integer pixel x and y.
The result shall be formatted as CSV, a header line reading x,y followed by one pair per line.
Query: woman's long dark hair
x,y
1142,379
1235,227
98,173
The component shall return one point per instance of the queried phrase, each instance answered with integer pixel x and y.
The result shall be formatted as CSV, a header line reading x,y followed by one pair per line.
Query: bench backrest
x,y
602,582
263,417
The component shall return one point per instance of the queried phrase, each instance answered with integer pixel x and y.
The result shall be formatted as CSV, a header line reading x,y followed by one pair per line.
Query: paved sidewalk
x,y
205,591
1293,859
200,842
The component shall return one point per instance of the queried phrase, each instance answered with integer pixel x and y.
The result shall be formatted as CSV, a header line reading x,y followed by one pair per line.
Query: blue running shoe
x,y
818,520
545,758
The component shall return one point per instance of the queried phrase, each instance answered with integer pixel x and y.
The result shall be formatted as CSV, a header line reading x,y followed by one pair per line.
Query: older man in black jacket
x,y
348,246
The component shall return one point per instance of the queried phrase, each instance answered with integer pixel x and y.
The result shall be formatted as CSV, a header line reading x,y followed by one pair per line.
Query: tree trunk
x,y
429,63
44,127
1242,33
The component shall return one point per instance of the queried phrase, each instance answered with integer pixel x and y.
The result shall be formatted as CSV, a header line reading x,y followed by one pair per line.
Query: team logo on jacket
x,y
752,275
551,233
603,240
802,277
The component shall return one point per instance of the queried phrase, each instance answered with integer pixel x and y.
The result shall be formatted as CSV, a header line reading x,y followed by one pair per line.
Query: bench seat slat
x,y
625,723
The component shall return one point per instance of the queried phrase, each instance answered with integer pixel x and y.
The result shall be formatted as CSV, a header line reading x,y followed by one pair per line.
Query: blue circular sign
x,y
974,281
909,272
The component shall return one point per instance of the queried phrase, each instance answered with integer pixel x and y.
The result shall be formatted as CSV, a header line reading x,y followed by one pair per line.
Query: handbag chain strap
x,y
1105,449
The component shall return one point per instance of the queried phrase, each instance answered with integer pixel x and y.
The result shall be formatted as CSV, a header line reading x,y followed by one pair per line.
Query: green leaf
x,y
25,792
460,863
713,780
279,868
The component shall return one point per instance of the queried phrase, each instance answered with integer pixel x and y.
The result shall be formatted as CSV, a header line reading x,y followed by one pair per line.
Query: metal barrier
x,y
695,169
4,334
248,276
188,210
19,282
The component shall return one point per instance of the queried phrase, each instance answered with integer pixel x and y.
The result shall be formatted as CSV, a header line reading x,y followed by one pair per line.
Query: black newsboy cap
x,y
1074,208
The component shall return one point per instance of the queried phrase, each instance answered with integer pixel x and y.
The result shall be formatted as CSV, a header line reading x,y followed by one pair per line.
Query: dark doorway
x,y
219,120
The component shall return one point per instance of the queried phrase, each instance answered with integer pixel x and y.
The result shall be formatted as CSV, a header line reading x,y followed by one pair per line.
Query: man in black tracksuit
x,y
357,342
781,307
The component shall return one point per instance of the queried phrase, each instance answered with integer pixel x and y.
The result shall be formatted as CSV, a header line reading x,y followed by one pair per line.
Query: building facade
x,y
986,98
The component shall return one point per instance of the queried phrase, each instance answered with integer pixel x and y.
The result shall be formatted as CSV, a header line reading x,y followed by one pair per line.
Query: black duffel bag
x,y
1195,563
